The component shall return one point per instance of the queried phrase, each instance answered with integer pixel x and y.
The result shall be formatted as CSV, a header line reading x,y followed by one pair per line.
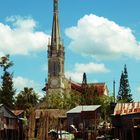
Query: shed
x,y
7,118
83,117
8,123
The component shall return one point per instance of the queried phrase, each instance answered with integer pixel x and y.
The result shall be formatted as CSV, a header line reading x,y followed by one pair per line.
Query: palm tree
x,y
26,99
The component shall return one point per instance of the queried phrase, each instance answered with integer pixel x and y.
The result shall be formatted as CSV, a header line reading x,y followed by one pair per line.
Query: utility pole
x,y
114,90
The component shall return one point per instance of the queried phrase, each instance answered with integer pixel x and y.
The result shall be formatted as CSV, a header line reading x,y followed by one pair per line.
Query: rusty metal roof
x,y
127,108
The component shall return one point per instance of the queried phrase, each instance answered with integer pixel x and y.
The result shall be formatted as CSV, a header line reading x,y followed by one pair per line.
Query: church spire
x,y
55,37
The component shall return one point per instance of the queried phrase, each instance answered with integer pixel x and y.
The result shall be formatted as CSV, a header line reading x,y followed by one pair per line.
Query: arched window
x,y
54,68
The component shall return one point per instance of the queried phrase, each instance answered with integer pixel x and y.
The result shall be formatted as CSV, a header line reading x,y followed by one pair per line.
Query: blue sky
x,y
99,38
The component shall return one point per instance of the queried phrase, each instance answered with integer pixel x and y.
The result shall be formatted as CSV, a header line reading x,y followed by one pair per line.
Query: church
x,y
57,82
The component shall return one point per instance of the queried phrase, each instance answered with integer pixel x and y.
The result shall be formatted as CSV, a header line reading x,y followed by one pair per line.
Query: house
x,y
8,123
83,120
126,121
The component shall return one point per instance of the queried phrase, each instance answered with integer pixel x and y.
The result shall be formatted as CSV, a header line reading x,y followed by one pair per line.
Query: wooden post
x,y
47,123
133,138
40,130
31,125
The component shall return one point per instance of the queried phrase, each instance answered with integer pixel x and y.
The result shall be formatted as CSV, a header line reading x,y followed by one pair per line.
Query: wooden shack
x,y
126,121
84,120
8,124
20,115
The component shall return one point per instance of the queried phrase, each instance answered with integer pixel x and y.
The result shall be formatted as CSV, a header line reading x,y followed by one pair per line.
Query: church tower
x,y
55,56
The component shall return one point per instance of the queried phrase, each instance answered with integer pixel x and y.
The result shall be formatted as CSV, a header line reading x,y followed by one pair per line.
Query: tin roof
x,y
127,108
81,108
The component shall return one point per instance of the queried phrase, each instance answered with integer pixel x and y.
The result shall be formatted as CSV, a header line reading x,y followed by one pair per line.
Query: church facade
x,y
57,82
56,57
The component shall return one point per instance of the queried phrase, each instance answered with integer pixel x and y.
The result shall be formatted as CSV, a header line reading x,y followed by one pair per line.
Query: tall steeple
x,y
55,55
55,37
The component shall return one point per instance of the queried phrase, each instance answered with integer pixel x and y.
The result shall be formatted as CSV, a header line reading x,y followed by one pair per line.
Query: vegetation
x,y
7,90
26,99
92,98
66,100
124,94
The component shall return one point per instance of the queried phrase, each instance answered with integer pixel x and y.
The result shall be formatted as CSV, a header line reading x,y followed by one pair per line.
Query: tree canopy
x,y
26,99
7,90
124,93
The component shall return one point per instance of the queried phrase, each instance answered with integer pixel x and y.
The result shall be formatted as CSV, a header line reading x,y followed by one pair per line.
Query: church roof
x,y
76,86
100,87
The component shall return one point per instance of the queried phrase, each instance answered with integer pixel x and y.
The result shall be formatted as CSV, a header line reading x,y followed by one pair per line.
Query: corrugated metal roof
x,y
127,108
81,108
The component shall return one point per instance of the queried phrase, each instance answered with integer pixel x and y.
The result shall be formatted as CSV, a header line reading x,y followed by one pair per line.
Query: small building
x,y
126,121
22,122
83,120
8,123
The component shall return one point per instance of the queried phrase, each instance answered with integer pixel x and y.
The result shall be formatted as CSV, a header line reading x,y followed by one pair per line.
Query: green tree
x,y
84,91
105,102
26,99
57,100
124,93
7,90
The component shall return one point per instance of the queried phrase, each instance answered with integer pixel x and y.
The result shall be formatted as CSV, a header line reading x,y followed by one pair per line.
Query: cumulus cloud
x,y
79,69
102,39
18,36
20,83
75,76
91,68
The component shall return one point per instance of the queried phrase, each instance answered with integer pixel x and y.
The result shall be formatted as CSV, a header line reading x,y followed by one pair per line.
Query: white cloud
x,y
20,83
20,37
102,39
91,68
79,69
75,76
